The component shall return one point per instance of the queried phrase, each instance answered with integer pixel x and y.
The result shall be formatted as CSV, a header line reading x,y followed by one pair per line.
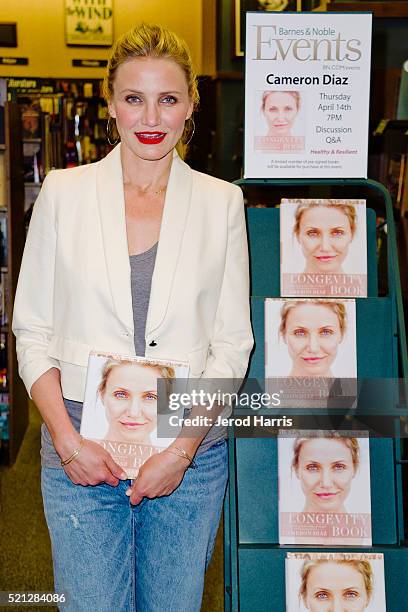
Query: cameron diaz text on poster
x,y
307,85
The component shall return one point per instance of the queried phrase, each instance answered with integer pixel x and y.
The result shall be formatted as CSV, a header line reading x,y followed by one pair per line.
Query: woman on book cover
x,y
326,468
312,331
128,392
136,254
280,109
344,585
324,232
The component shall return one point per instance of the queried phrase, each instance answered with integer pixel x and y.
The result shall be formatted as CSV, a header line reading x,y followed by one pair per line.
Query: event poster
x,y
323,248
328,581
120,409
307,86
324,488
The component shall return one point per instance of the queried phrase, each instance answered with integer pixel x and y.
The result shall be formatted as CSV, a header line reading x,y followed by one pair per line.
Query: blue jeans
x,y
109,555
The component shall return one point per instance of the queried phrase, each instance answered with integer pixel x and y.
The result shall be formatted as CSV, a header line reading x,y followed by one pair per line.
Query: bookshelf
x,y
13,398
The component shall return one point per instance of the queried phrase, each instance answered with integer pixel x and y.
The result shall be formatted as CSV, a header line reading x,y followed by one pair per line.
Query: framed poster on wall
x,y
88,23
240,7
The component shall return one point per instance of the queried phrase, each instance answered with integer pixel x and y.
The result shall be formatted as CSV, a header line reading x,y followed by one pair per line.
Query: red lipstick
x,y
150,137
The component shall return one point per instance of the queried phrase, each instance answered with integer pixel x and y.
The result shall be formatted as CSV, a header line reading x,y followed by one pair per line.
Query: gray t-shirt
x,y
141,266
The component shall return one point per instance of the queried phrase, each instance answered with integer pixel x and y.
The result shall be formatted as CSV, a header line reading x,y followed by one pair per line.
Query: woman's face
x,y
130,400
150,103
280,111
324,236
335,587
325,470
313,335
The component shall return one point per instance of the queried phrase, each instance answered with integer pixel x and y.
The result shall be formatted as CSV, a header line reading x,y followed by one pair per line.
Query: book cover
x,y
310,351
317,582
120,409
324,488
323,248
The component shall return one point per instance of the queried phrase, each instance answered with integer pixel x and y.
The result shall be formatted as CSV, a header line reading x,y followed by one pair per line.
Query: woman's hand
x,y
160,475
93,466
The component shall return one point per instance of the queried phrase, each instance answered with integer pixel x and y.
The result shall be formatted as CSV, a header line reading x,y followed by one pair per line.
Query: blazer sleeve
x,y
33,305
232,339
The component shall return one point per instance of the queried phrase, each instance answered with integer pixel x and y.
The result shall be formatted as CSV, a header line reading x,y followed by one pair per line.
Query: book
x,y
311,351
335,581
324,488
122,405
323,248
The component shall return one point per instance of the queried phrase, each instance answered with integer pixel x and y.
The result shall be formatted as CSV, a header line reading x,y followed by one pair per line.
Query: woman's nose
x,y
313,343
134,407
337,605
325,242
326,478
151,115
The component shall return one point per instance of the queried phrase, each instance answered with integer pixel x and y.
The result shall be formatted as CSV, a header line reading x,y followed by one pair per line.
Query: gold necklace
x,y
159,191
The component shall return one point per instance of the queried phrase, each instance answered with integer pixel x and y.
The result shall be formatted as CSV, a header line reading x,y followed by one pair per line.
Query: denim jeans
x,y
109,555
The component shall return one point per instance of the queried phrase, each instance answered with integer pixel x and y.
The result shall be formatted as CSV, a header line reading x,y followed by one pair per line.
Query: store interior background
x,y
217,148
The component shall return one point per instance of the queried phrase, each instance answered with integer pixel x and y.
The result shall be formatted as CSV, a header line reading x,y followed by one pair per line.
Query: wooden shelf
x,y
379,9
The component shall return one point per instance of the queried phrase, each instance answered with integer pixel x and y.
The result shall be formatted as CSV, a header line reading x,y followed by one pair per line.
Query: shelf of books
x,y
13,401
315,517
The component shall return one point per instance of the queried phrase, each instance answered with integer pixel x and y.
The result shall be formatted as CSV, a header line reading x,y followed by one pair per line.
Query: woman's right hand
x,y
94,465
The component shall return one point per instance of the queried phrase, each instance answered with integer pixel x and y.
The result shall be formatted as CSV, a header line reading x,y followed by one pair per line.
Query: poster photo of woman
x,y
279,121
323,248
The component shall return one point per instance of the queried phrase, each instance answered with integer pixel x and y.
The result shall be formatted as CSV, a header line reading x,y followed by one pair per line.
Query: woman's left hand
x,y
160,475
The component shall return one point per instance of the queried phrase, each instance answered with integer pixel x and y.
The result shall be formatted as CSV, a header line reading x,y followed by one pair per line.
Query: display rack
x,y
254,560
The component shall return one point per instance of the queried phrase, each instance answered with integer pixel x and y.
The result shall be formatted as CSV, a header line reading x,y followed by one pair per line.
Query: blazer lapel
x,y
176,207
112,213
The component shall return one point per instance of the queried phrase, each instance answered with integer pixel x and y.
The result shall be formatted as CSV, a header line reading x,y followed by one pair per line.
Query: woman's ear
x,y
111,109
190,110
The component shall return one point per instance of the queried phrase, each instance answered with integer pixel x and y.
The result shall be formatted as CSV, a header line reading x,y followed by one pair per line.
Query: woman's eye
x,y
299,332
338,232
312,233
133,99
288,109
169,100
322,595
273,109
150,397
351,594
120,394
312,467
339,466
326,332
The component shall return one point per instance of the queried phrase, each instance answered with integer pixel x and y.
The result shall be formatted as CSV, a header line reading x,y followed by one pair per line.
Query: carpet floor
x,y
25,554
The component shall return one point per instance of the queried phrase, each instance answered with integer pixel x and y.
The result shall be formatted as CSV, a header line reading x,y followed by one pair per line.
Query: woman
x,y
312,331
341,585
325,468
280,109
91,279
324,232
128,391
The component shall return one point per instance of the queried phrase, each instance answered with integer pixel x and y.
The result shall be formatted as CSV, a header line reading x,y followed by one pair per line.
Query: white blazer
x,y
74,290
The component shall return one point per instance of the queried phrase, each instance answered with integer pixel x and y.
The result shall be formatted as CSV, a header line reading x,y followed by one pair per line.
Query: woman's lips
x,y
325,495
312,359
131,424
150,137
325,257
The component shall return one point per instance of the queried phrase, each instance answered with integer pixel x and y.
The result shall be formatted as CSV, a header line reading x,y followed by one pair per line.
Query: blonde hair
x,y
166,372
154,41
362,566
294,94
351,443
348,209
338,308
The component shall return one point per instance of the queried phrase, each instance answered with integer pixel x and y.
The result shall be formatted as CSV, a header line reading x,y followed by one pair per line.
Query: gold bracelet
x,y
74,454
182,453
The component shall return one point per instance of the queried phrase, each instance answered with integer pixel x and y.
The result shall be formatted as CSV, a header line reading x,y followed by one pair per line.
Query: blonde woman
x,y
135,254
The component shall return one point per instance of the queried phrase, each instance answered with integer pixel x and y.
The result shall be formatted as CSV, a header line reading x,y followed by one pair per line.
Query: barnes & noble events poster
x,y
307,87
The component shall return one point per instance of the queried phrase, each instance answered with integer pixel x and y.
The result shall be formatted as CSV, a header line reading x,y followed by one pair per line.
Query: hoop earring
x,y
108,131
192,131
